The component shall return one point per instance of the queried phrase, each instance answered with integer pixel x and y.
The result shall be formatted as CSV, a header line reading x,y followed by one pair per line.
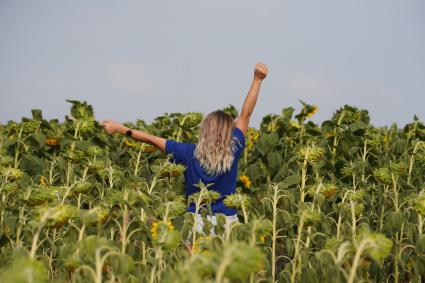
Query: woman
x,y
214,159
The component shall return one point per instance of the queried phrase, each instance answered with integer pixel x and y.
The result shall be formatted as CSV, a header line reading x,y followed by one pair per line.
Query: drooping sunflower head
x,y
328,190
419,205
192,119
311,152
237,201
11,173
148,148
383,175
172,170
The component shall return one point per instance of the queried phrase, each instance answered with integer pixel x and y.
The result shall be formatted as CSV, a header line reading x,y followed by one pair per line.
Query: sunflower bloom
x,y
157,225
252,136
200,243
312,111
245,181
128,143
43,180
148,148
386,138
52,142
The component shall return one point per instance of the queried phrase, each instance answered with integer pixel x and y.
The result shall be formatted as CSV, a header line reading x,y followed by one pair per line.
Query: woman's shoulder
x,y
188,146
238,133
238,137
181,151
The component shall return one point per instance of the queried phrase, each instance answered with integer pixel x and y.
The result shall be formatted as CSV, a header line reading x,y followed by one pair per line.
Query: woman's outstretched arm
x,y
113,127
261,71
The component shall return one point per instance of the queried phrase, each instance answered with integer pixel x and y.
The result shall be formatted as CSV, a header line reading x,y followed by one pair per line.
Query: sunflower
x,y
148,148
245,181
158,226
129,144
172,170
252,136
43,180
52,142
328,190
200,244
313,109
386,138
144,147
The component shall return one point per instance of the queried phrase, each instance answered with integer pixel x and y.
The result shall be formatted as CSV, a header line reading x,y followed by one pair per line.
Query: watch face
x,y
129,133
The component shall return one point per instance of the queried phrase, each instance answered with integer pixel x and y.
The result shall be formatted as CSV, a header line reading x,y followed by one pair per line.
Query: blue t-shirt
x,y
225,183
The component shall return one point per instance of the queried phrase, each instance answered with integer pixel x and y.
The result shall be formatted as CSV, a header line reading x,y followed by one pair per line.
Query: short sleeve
x,y
239,140
181,151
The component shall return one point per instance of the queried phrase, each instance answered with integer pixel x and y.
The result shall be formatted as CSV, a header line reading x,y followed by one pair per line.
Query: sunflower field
x,y
342,201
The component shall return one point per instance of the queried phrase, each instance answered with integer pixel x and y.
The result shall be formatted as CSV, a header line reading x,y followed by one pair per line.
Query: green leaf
x,y
274,160
32,164
327,126
36,114
358,125
292,180
267,142
287,113
24,271
379,246
394,221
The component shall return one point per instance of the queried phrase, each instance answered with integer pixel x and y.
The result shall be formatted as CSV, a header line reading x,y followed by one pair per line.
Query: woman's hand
x,y
113,127
261,71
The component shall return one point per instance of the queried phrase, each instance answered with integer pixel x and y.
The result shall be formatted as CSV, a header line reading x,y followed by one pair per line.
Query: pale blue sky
x,y
139,59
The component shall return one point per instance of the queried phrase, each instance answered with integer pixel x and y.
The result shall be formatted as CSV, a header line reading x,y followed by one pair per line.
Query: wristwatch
x,y
129,133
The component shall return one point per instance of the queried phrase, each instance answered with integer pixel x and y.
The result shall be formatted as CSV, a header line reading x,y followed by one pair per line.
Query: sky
x,y
140,59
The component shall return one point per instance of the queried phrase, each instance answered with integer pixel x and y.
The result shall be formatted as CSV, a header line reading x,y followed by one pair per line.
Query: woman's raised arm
x,y
261,71
114,127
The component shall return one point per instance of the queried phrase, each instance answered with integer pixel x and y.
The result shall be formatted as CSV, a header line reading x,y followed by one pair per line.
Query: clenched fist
x,y
261,71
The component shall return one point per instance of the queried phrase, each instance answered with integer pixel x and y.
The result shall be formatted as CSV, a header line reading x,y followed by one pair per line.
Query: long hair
x,y
215,149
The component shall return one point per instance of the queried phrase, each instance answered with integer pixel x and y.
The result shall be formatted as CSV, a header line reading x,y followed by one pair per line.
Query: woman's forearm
x,y
114,127
251,97
148,138
260,73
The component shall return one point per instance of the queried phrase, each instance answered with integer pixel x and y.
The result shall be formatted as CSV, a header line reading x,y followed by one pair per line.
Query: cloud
x,y
128,78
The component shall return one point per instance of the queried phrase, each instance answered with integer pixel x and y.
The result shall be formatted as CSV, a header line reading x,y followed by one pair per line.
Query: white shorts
x,y
200,223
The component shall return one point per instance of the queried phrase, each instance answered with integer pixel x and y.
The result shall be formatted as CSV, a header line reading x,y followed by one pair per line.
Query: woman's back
x,y
224,183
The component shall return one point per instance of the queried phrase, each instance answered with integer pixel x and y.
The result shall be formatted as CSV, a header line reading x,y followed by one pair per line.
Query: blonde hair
x,y
216,146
